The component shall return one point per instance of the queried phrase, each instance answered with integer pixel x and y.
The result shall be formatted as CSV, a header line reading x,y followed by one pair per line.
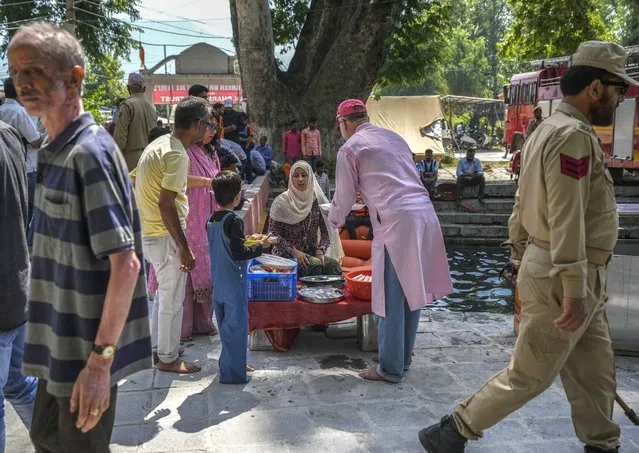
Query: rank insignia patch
x,y
575,168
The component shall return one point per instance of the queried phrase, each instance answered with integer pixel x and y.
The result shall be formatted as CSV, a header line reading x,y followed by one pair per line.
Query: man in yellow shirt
x,y
161,181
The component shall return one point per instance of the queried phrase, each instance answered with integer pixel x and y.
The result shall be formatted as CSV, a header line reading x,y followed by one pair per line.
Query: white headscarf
x,y
293,206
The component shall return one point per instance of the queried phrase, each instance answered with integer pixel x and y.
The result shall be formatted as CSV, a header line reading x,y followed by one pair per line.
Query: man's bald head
x,y
55,43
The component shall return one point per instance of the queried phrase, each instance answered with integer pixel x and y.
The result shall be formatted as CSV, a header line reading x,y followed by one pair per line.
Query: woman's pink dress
x,y
198,307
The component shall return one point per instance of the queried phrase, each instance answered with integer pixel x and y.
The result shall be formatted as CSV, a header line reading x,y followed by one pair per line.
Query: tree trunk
x,y
339,52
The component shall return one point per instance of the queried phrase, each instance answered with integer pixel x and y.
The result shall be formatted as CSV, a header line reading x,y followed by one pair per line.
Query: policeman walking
x,y
562,233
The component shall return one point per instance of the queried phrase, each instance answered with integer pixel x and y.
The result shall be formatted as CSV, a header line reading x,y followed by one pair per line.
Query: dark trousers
x,y
471,181
53,429
312,160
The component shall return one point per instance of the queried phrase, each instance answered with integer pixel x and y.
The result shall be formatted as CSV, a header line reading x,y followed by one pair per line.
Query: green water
x,y
476,283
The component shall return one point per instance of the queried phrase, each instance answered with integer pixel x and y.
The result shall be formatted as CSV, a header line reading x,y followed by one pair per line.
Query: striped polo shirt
x,y
84,211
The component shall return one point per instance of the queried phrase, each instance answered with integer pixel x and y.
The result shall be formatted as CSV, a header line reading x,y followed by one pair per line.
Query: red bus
x,y
620,142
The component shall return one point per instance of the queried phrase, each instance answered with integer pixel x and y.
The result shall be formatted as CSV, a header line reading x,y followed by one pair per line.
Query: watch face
x,y
109,351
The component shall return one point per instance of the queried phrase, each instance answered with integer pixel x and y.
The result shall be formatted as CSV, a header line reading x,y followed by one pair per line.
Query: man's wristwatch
x,y
107,352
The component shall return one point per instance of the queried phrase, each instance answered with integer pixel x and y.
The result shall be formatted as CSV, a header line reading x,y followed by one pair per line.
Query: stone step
x,y
454,231
473,218
459,230
627,191
629,232
491,218
496,189
629,220
492,205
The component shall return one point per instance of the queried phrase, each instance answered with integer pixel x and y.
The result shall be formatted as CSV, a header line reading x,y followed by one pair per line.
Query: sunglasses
x,y
622,87
210,126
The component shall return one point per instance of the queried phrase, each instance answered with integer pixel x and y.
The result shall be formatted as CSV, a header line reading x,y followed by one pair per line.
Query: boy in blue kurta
x,y
225,231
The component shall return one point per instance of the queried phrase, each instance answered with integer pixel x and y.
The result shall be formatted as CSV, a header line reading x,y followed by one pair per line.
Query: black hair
x,y
157,132
292,122
227,160
312,119
217,105
226,186
319,165
577,78
10,89
189,111
196,90
264,137
429,150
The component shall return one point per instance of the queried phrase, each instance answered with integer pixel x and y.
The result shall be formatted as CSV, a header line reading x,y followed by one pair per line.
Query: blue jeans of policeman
x,y
18,389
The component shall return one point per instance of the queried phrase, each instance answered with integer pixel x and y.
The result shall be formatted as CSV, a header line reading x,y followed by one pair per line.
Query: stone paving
x,y
310,399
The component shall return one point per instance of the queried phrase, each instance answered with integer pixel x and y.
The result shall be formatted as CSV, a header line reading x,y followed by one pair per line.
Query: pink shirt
x,y
292,145
311,142
378,164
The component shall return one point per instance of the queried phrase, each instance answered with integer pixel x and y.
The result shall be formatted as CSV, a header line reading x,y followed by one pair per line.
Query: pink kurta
x,y
378,164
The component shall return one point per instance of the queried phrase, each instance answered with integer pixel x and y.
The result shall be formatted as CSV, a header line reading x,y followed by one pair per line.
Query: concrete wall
x,y
204,59
199,64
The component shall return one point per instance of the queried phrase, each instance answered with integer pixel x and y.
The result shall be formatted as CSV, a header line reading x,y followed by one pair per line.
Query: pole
x,y
632,415
168,106
69,22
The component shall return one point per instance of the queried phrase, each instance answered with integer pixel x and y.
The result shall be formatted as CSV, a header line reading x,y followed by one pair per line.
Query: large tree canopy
x,y
341,48
100,32
546,28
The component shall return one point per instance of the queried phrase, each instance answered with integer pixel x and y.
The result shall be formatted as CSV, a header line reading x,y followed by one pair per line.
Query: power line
x,y
82,22
179,17
18,3
202,35
158,11
23,20
158,22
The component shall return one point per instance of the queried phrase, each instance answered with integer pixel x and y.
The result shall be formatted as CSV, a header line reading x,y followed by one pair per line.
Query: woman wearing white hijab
x,y
303,230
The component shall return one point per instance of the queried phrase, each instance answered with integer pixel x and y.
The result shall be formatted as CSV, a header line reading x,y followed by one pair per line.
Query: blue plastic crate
x,y
271,287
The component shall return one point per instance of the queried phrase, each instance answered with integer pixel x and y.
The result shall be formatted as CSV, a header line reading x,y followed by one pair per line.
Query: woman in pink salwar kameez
x,y
197,316
410,266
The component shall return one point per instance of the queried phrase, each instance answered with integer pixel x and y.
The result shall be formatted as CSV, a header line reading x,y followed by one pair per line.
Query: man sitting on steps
x,y
470,174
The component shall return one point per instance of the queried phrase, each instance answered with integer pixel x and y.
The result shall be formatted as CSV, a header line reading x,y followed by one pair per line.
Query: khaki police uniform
x,y
563,230
137,118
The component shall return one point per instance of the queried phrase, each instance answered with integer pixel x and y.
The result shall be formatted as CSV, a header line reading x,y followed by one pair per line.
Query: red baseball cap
x,y
350,107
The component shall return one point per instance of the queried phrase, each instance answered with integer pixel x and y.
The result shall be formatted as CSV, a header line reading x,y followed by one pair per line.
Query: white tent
x,y
417,119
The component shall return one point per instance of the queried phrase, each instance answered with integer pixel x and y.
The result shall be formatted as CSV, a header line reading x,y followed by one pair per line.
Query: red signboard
x,y
172,94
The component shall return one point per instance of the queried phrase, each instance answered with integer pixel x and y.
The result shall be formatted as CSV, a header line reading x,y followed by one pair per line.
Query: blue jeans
x,y
32,179
397,331
17,389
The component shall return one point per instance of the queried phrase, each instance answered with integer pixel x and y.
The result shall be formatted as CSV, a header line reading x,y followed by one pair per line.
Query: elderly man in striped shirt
x,y
87,323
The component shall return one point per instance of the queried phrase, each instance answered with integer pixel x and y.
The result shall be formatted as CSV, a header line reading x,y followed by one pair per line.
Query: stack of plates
x,y
276,261
322,295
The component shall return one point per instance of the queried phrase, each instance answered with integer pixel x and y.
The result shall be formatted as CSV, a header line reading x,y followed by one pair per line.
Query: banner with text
x,y
172,94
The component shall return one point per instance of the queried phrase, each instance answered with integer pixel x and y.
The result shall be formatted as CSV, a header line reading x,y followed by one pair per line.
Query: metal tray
x,y
323,280
321,295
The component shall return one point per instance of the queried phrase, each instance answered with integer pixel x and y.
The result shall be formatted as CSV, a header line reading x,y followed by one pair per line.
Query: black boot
x,y
442,437
589,449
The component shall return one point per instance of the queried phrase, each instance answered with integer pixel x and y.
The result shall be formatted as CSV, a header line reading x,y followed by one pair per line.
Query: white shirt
x,y
12,113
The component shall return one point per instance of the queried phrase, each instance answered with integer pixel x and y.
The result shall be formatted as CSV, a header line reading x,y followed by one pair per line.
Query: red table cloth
x,y
281,321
